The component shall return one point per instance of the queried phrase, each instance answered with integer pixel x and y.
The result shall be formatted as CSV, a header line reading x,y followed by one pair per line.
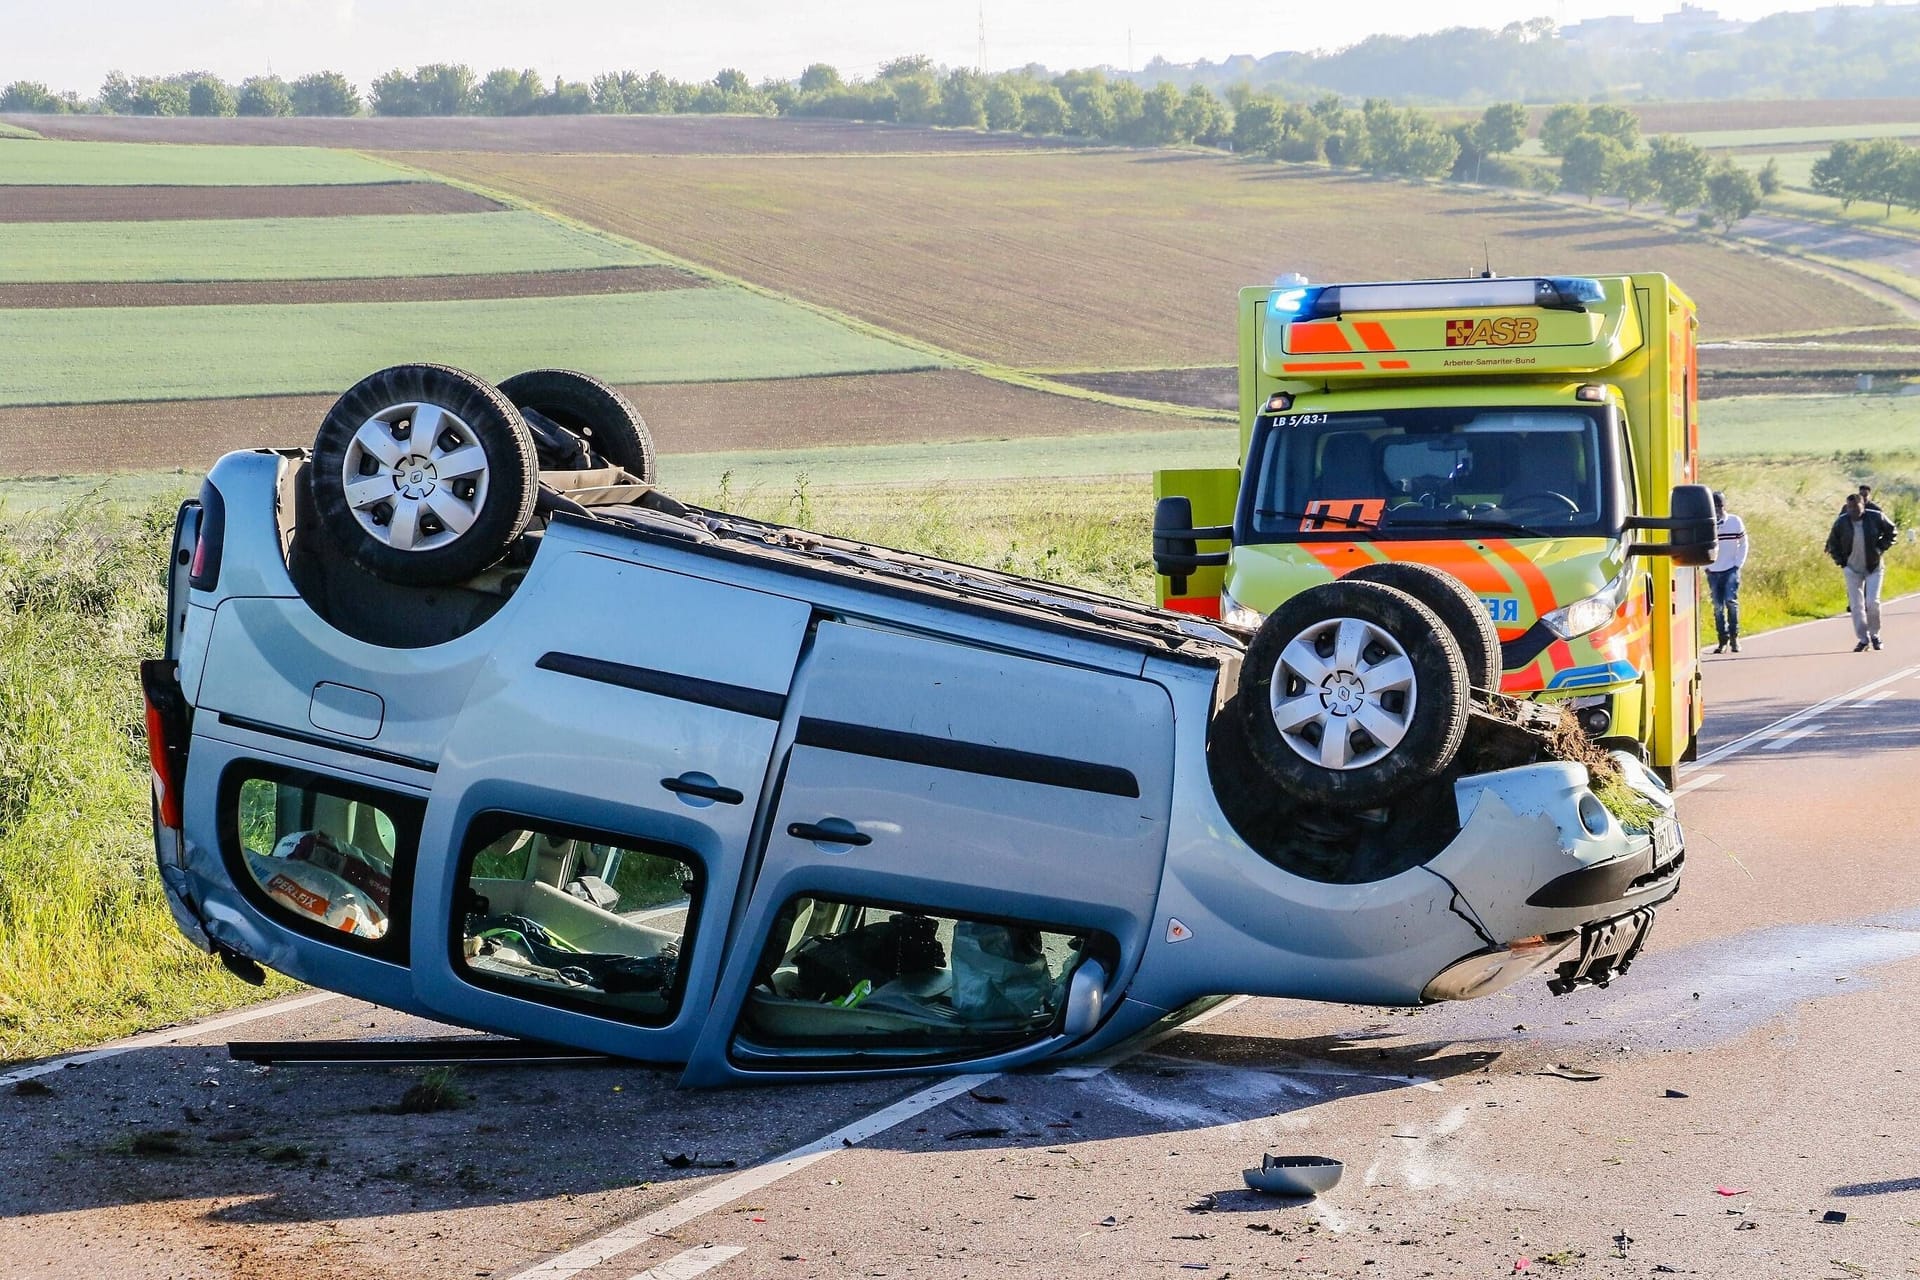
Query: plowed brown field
x,y
523,284
151,204
1105,259
664,135
685,418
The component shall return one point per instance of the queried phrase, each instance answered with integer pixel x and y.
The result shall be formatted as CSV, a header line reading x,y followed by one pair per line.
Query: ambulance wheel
x,y
590,410
423,475
1465,617
1353,692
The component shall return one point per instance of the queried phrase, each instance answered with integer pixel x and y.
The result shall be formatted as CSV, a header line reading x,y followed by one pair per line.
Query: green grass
x,y
93,355
1802,136
58,163
1809,426
967,462
303,248
14,131
87,949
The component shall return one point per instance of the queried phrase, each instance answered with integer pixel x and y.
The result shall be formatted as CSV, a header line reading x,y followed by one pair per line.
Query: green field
x,y
1820,133
8,130
96,355
1810,426
57,163
303,248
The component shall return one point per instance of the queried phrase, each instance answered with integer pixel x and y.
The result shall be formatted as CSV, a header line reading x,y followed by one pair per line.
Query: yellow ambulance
x,y
1514,432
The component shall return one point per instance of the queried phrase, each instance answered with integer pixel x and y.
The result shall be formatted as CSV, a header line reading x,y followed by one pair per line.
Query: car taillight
x,y
203,572
166,739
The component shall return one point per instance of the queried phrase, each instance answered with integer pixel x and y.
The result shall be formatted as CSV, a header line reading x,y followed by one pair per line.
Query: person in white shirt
x,y
1723,575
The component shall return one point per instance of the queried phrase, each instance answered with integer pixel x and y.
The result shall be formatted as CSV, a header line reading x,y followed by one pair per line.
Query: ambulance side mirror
x,y
1693,534
1176,551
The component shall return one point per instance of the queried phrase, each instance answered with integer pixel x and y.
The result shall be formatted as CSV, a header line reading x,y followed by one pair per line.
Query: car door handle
x,y
695,787
842,832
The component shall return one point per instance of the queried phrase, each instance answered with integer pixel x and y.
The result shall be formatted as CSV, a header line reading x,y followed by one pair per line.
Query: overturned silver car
x,y
461,714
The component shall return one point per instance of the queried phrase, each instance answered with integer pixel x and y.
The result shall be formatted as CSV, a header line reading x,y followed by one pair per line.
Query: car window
x,y
577,918
321,854
854,976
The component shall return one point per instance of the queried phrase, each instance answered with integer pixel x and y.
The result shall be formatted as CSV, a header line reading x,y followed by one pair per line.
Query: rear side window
x,y
582,919
896,981
324,857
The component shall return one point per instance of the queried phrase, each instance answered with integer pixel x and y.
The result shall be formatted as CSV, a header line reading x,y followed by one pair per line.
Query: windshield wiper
x,y
1323,516
1468,521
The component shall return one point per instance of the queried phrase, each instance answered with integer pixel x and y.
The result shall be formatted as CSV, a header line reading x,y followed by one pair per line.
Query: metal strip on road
x,y
600,1251
694,1262
168,1037
1748,741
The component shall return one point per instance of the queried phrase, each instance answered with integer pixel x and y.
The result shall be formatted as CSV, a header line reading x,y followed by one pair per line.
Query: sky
x,y
72,44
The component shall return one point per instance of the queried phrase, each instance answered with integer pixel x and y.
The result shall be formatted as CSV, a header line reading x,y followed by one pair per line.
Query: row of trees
x,y
1600,155
1884,170
195,93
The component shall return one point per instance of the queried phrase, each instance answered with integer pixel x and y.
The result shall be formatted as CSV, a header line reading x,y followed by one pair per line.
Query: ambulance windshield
x,y
1427,473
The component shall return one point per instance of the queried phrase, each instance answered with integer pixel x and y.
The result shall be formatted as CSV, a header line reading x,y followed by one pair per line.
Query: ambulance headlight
x,y
1237,614
1590,613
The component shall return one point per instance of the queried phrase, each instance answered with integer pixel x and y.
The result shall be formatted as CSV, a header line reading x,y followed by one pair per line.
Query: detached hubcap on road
x,y
1343,693
415,476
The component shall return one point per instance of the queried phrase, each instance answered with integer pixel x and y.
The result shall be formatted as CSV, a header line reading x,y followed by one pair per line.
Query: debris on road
x,y
978,1096
1731,1191
1295,1175
1024,1195
1748,1225
1833,1215
1205,1204
31,1089
991,1131
681,1160
1569,1073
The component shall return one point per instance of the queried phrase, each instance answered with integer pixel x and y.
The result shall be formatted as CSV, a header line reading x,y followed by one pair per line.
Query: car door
x,y
589,824
958,831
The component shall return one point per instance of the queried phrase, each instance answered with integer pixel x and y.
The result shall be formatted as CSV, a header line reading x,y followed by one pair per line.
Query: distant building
x,y
1687,25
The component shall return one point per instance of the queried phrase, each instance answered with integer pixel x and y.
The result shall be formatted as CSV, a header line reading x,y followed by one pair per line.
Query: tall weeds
x,y
87,950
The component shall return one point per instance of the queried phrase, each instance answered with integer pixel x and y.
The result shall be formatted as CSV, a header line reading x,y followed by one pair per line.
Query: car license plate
x,y
1666,840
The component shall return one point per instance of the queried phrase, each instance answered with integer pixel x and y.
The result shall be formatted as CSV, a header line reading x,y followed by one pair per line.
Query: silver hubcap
x,y
1343,693
415,476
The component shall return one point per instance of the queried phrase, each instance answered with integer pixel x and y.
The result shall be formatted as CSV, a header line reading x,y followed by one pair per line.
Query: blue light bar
x,y
1293,303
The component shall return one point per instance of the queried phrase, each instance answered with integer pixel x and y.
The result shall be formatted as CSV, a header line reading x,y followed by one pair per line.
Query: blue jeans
x,y
1725,586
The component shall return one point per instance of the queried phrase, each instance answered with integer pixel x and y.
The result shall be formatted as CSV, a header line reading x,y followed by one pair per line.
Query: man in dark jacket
x,y
1858,539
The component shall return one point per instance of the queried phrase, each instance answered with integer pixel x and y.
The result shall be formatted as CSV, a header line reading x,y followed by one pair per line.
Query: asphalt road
x,y
1756,1072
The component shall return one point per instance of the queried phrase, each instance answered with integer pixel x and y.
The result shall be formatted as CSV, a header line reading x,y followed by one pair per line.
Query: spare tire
x,y
1351,693
1454,603
591,410
423,475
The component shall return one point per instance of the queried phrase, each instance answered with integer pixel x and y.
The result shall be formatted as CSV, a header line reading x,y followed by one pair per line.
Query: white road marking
x,y
598,1252
1780,741
168,1037
1748,741
1696,782
1872,698
694,1262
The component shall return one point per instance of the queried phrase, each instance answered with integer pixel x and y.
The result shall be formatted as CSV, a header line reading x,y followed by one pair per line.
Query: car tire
x,y
591,410
1351,693
393,502
1454,603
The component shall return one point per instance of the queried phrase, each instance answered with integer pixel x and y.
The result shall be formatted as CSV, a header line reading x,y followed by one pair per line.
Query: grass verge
x,y
87,950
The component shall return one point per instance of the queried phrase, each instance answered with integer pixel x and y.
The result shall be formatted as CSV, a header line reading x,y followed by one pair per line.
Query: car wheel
x,y
423,475
1458,609
590,410
1352,692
